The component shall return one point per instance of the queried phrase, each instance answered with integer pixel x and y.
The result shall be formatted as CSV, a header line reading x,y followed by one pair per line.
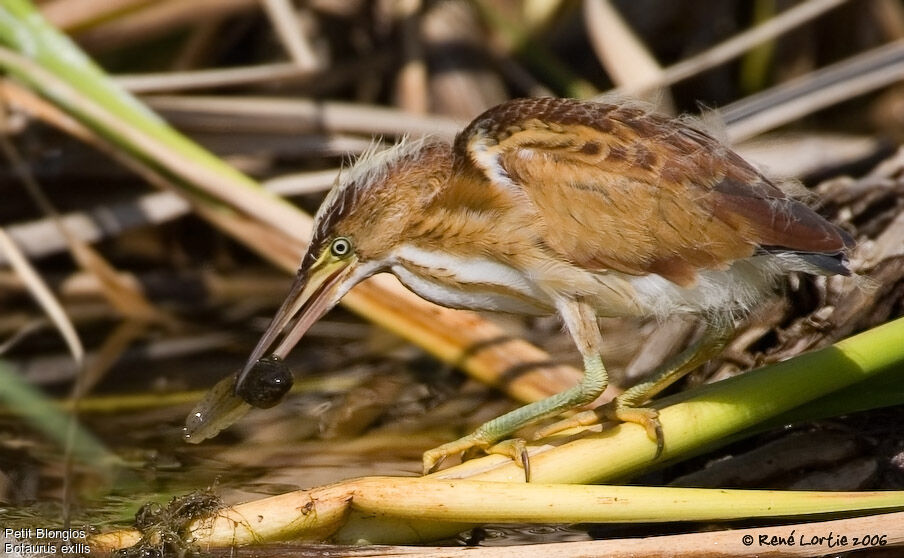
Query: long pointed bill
x,y
312,295
265,378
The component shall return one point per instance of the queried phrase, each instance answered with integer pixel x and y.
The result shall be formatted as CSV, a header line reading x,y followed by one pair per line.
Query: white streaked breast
x,y
487,285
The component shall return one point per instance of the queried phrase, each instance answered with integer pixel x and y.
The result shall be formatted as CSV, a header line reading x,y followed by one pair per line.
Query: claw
x,y
644,416
434,458
516,450
660,439
614,411
432,461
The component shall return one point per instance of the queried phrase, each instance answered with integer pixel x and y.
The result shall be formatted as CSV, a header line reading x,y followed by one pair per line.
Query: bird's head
x,y
363,219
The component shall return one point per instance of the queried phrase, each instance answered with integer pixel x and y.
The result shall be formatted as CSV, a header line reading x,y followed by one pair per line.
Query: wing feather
x,y
615,187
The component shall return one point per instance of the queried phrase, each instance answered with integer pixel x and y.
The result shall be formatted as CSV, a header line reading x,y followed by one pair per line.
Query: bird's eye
x,y
341,247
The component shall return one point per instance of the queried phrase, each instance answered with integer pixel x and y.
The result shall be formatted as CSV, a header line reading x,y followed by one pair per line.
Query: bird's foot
x,y
435,457
644,416
515,448
584,418
615,411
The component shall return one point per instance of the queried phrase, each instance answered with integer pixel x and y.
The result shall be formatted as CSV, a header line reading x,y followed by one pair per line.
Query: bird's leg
x,y
580,319
626,407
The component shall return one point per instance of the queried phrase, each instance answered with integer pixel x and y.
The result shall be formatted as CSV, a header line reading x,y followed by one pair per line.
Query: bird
x,y
545,206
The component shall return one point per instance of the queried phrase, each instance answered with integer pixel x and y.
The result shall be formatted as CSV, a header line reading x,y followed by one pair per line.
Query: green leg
x,y
710,344
626,407
581,322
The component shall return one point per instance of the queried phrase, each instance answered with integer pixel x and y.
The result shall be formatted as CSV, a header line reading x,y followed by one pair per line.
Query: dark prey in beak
x,y
268,380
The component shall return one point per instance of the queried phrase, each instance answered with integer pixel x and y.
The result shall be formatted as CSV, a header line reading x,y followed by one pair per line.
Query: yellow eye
x,y
341,247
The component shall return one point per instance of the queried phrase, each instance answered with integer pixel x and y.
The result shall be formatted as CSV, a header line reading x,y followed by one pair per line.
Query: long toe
x,y
434,458
644,416
516,450
584,418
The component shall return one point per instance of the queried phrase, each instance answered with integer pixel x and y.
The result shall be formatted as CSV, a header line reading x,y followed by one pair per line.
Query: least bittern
x,y
545,206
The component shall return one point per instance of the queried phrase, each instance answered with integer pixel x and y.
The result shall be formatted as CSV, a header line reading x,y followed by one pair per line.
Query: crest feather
x,y
370,169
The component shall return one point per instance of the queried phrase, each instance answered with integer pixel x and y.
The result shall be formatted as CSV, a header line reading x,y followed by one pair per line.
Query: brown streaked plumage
x,y
561,206
692,202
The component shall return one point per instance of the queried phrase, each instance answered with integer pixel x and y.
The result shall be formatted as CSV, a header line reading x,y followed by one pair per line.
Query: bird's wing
x,y
615,187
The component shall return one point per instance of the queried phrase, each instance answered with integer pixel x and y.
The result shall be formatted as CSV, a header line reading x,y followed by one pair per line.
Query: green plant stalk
x,y
45,416
464,502
755,65
99,17
885,389
699,418
118,403
26,31
125,121
493,502
536,54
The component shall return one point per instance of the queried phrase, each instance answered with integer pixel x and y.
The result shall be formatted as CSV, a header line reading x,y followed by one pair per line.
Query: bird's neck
x,y
467,216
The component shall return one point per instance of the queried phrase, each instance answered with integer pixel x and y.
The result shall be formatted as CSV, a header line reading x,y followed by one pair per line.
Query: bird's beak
x,y
313,293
